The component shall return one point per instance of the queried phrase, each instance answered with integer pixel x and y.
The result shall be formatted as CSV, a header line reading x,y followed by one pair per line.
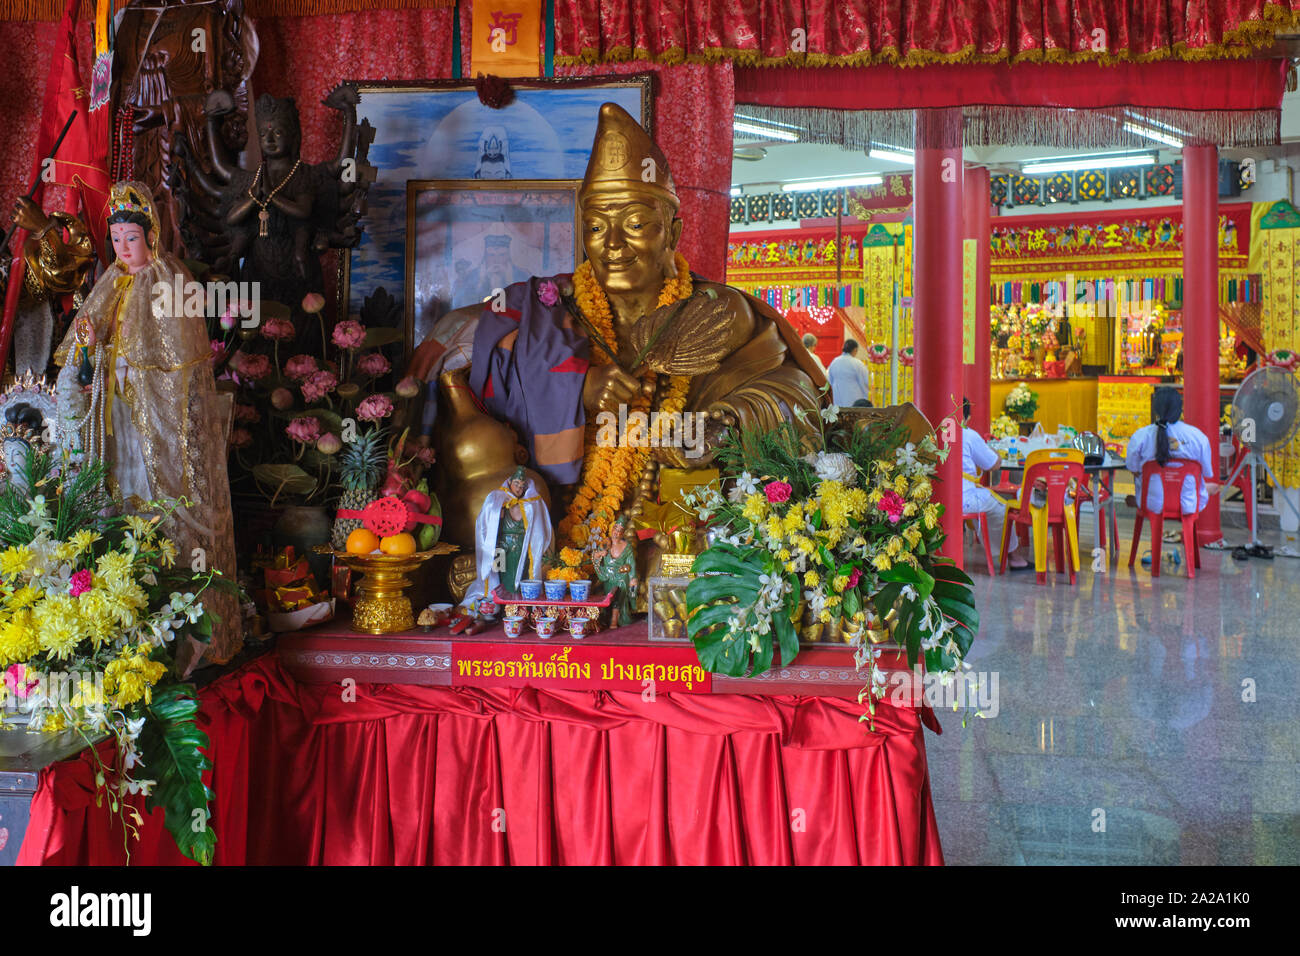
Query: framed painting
x,y
439,130
466,238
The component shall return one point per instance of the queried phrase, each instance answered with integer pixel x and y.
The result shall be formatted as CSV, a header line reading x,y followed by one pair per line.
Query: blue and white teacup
x,y
555,589
580,589
532,590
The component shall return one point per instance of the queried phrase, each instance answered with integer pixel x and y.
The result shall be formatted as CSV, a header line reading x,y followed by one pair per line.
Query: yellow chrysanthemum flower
x,y
783,554
900,484
755,508
921,490
114,565
790,566
882,562
18,639
84,540
65,551
841,582
894,546
774,530
824,617
811,579
14,560
931,516
167,552
913,537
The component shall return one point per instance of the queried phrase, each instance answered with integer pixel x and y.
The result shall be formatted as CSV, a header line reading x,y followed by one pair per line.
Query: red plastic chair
x,y
982,533
1242,482
1172,476
1057,468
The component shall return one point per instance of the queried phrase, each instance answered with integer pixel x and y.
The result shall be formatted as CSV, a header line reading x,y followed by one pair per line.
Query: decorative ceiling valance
x,y
1226,102
916,32
53,9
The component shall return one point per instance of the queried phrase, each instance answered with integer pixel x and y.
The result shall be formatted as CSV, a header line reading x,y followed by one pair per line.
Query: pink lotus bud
x,y
227,320
282,399
409,387
313,302
329,444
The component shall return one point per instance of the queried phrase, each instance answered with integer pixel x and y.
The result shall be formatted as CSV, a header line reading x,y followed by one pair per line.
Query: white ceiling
x,y
785,162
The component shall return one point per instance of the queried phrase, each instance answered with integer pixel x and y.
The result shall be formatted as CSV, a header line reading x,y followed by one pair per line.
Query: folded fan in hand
x,y
684,338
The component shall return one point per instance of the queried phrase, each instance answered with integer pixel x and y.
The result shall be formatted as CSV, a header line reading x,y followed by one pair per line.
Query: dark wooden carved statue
x,y
272,222
170,55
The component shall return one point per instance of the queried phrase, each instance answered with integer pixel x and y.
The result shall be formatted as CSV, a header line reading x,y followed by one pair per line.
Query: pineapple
x,y
361,466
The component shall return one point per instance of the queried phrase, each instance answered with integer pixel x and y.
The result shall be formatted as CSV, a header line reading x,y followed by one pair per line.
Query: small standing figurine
x,y
616,569
512,523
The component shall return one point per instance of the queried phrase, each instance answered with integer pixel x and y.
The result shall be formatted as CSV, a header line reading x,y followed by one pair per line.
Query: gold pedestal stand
x,y
381,605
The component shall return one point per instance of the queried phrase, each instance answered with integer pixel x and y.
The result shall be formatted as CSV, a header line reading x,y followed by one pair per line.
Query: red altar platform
x,y
413,765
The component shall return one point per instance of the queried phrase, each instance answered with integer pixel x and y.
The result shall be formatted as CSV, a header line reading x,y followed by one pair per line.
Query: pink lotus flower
x,y
313,302
548,293
374,408
348,334
81,582
855,577
218,349
777,492
305,430
228,318
319,385
280,329
329,444
250,366
300,367
246,413
282,399
240,438
373,364
409,387
891,503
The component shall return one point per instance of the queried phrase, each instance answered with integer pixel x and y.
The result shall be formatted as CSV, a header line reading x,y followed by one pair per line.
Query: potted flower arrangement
x,y
92,607
840,527
1021,404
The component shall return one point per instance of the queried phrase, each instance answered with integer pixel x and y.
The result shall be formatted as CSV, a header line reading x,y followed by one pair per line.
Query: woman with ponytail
x,y
1168,436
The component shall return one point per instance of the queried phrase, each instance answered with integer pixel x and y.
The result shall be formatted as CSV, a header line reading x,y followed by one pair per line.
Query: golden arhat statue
x,y
618,381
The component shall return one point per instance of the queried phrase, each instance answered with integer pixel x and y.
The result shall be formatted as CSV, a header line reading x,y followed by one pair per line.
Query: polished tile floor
x,y
1139,720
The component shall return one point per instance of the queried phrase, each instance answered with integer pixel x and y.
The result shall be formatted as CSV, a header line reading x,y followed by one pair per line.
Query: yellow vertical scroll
x,y
969,260
507,38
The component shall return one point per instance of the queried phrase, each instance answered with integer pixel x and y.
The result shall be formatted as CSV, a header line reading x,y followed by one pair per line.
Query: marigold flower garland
x,y
608,473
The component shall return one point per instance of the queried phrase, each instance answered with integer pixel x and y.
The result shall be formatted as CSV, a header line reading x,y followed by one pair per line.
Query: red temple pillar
x,y
976,378
1201,309
936,302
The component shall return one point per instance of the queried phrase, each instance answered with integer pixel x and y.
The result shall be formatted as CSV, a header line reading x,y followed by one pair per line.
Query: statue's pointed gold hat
x,y
618,160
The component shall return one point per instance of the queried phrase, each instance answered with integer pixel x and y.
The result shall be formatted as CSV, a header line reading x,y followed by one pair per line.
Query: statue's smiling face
x,y
630,241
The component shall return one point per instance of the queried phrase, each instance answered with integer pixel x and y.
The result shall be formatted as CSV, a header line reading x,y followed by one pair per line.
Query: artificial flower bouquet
x,y
1004,427
92,608
840,524
1021,402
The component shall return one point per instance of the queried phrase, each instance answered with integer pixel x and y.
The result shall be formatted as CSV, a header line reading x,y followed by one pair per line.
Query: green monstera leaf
x,y
170,745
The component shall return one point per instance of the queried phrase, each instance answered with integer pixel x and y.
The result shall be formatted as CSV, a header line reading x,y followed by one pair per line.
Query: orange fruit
x,y
362,541
398,544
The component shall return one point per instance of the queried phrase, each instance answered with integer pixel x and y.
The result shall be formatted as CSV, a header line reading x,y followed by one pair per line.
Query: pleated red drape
x,y
416,775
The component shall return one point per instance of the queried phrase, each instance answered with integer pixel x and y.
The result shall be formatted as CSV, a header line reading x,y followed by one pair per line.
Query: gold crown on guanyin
x,y
125,198
619,157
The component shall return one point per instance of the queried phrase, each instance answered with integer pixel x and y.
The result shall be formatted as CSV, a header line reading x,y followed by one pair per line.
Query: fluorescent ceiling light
x,y
766,132
735,190
764,121
1068,163
1154,134
892,155
811,185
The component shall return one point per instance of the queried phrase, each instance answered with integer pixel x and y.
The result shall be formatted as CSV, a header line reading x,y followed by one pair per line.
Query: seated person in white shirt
x,y
976,457
848,377
1170,437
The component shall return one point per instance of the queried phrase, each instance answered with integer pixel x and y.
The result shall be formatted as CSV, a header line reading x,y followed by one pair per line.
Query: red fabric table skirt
x,y
422,775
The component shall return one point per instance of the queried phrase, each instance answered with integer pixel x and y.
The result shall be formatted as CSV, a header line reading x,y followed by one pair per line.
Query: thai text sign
x,y
579,667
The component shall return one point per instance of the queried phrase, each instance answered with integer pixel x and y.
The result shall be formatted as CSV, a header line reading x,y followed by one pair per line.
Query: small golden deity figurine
x,y
620,379
150,410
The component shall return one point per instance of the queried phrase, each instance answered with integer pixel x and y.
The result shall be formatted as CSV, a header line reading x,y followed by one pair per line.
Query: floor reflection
x,y
1139,720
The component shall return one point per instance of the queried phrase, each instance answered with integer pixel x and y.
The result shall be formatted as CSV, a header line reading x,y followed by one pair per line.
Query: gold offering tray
x,y
382,606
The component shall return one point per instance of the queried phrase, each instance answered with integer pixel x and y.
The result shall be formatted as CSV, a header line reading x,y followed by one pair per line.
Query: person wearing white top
x,y
1169,437
848,377
976,457
810,343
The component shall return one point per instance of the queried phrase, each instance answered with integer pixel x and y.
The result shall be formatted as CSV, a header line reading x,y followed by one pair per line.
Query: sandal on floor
x,y
1173,537
1286,551
1027,566
1219,545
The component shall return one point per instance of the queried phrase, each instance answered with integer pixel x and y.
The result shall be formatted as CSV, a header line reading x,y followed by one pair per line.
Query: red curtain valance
x,y
1085,105
917,32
